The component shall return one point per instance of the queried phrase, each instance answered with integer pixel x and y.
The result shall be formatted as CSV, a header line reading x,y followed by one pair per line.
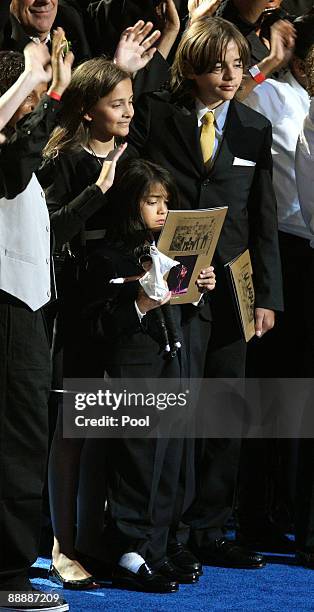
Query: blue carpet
x,y
280,586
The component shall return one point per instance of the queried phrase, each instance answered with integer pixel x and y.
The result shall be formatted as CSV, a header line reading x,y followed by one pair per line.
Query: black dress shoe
x,y
176,574
182,559
227,554
84,583
145,579
101,570
267,541
305,558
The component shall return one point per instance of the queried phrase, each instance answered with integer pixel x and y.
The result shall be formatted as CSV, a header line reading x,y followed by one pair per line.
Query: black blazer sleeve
x,y
68,216
21,155
110,309
140,127
152,77
263,232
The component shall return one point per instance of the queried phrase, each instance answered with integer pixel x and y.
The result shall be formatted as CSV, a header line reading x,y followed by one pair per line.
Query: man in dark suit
x,y
233,168
25,20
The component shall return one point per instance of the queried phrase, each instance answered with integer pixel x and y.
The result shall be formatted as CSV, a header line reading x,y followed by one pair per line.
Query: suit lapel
x,y
231,136
184,121
186,128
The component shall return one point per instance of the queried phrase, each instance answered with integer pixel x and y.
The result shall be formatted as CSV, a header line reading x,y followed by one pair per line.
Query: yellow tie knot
x,y
209,118
208,136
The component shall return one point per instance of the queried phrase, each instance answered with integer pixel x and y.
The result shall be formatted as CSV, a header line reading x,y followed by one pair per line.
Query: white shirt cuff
x,y
198,301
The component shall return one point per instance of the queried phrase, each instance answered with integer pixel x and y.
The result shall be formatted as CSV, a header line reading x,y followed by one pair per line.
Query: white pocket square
x,y
243,162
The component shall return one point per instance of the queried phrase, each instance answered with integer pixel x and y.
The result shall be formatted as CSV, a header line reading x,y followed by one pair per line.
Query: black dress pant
x,y
151,482
267,483
217,460
142,493
24,388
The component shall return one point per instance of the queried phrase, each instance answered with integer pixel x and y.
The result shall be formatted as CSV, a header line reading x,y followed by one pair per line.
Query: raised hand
x,y
61,61
37,70
282,39
282,45
202,8
168,16
170,26
135,48
107,173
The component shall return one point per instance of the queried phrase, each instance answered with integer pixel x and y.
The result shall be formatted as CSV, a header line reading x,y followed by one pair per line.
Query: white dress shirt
x,y
304,165
285,103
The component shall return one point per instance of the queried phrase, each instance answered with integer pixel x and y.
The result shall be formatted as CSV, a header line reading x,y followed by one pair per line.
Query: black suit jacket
x,y
130,347
166,132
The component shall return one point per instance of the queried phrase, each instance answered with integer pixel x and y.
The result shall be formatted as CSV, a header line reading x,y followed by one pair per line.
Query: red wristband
x,y
54,95
258,76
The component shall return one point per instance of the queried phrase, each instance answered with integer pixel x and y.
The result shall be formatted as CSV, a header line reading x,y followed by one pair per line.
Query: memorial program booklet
x,y
190,237
241,276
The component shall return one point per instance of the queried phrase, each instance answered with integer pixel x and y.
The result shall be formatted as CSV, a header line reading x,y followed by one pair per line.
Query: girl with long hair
x,y
79,167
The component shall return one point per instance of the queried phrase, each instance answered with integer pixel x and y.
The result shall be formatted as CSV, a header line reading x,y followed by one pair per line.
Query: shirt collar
x,y
220,113
37,40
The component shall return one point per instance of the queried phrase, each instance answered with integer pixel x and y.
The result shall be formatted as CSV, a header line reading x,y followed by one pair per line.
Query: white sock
x,y
131,561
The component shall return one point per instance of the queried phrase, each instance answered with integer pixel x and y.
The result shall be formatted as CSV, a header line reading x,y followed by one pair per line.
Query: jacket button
x,y
48,293
47,228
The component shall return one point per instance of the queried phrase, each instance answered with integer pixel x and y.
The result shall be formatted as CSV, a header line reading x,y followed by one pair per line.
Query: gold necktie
x,y
208,136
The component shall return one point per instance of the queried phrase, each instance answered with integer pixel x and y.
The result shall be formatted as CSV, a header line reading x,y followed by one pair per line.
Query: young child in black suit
x,y
219,153
143,473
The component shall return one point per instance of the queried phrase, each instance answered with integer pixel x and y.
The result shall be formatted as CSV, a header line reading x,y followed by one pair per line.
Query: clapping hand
x,y
61,61
37,63
282,39
107,173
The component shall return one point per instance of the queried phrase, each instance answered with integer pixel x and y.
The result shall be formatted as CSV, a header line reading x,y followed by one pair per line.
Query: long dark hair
x,y
133,180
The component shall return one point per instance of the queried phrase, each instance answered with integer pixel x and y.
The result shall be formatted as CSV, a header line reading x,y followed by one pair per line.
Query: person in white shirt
x,y
304,164
285,102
